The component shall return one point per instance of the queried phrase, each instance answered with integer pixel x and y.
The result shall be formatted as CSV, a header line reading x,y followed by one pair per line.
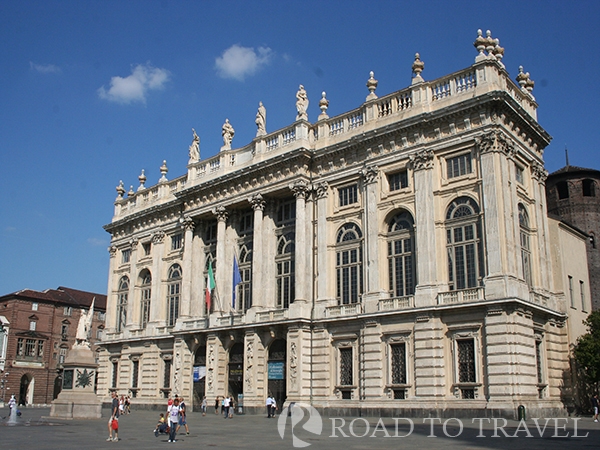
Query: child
x,y
161,426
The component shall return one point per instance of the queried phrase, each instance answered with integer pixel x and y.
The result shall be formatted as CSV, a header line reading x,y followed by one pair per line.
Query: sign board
x,y
236,372
199,373
276,370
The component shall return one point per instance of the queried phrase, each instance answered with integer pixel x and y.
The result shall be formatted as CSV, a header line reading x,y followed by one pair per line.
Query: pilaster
x,y
430,374
372,289
258,263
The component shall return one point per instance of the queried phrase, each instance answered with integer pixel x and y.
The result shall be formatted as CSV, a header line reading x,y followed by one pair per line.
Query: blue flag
x,y
237,279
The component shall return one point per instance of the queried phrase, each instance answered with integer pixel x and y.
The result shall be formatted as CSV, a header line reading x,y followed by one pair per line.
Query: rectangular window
x,y
115,373
346,366
398,354
176,241
571,297
538,361
40,349
68,311
167,374
101,316
32,325
30,345
34,306
126,256
135,374
64,330
398,180
582,294
147,247
348,195
458,166
145,307
519,174
62,354
466,361
20,347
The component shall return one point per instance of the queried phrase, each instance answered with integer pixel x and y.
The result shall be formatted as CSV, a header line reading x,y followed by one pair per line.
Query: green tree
x,y
587,351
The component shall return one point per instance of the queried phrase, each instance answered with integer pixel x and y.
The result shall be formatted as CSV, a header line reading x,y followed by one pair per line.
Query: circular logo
x,y
297,412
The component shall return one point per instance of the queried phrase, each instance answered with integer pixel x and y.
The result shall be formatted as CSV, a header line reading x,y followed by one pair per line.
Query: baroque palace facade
x,y
395,258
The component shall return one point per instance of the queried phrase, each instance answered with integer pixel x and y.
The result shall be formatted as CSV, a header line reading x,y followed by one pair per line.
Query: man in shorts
x,y
114,416
182,417
595,406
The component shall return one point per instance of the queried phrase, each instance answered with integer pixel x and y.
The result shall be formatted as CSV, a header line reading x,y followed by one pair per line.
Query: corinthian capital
x,y
369,174
300,189
187,223
538,172
257,202
423,159
495,141
321,189
221,213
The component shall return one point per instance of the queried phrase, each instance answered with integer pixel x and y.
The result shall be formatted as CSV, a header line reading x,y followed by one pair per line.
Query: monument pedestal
x,y
77,400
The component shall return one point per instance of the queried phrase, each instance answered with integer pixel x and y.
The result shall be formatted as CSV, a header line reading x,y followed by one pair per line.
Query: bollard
x,y
521,413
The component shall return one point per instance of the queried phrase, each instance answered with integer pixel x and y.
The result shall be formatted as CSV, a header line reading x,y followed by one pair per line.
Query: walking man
x,y
113,417
182,417
595,406
270,412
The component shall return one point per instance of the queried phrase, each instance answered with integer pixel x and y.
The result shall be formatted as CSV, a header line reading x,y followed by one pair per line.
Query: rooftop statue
x,y
261,120
195,148
301,103
227,132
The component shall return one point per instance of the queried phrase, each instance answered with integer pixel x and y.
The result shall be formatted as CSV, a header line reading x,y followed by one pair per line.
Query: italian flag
x,y
210,285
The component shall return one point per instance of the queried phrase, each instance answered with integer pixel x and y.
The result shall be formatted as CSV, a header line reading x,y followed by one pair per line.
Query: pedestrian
x,y
114,417
595,406
127,405
226,402
203,406
182,417
217,405
231,407
269,405
173,419
169,403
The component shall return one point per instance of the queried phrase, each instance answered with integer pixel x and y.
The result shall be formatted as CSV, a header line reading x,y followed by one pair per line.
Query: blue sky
x,y
92,92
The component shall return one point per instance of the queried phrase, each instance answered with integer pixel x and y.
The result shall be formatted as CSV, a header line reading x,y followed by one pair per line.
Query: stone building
x,y
574,196
41,331
395,258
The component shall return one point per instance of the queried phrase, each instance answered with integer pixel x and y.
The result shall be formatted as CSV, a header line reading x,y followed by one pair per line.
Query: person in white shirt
x,y
270,412
173,412
226,403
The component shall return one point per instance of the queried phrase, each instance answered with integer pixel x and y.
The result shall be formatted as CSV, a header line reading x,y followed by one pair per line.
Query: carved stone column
x,y
422,165
132,302
321,191
157,313
500,221
221,279
302,247
258,265
539,175
371,267
111,301
186,289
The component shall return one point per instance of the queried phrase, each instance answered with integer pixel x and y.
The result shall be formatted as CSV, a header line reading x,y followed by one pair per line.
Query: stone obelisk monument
x,y
78,399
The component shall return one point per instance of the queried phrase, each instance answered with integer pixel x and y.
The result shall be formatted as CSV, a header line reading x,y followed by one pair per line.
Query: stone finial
x,y
522,77
131,191
529,84
498,51
480,42
323,104
490,42
120,190
417,68
163,172
142,179
371,86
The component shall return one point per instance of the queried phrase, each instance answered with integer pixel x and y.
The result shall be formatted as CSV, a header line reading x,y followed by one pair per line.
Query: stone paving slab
x,y
35,430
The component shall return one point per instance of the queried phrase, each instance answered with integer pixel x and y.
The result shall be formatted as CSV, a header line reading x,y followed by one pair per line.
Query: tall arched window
x,y
122,296
146,294
285,270
349,275
245,287
401,255
524,233
463,244
173,294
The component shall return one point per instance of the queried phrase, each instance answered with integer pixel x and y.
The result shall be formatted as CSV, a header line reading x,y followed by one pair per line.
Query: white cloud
x,y
44,68
135,87
236,62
